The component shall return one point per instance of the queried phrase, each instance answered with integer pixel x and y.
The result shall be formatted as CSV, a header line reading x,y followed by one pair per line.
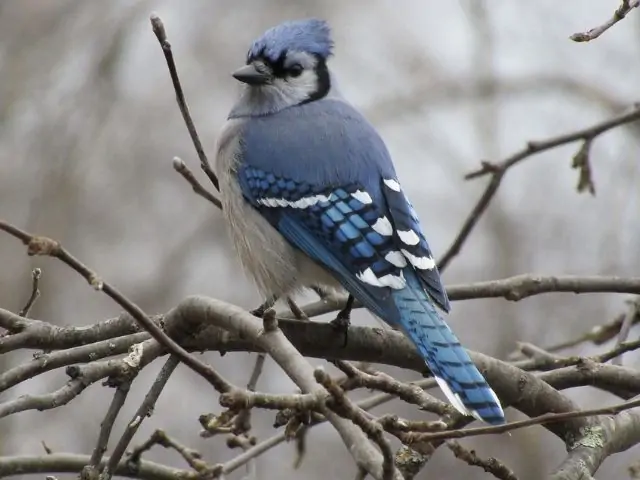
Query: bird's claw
x,y
341,325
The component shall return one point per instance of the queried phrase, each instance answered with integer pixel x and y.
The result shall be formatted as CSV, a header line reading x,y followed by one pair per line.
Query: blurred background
x,y
89,125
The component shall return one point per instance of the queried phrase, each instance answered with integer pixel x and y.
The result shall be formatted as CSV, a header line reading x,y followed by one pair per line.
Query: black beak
x,y
249,75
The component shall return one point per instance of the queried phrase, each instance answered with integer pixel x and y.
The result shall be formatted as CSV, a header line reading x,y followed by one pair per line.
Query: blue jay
x,y
312,200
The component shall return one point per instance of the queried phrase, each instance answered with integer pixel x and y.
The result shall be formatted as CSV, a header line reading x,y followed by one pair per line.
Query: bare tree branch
x,y
45,362
293,363
181,167
159,437
513,288
36,273
161,35
145,409
346,409
523,286
611,435
498,171
48,247
116,350
81,378
627,322
119,397
73,463
535,147
490,465
621,12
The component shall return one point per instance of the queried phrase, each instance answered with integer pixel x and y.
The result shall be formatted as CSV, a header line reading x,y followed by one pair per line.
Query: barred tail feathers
x,y
457,376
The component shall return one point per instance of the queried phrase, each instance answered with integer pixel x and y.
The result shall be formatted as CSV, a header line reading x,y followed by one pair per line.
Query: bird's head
x,y
287,65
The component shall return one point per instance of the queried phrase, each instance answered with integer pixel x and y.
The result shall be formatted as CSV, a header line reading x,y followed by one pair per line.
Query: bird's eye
x,y
295,70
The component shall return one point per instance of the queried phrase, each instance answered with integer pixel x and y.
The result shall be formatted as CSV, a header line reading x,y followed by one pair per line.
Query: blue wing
x,y
327,148
344,229
412,242
323,178
335,226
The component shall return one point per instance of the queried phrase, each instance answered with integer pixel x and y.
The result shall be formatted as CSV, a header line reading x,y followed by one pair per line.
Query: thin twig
x,y
344,407
46,362
238,399
543,360
597,335
514,289
81,377
498,171
625,328
159,437
257,371
490,465
181,167
145,409
161,35
408,392
535,147
37,245
264,446
621,12
243,419
270,338
73,463
539,420
106,426
36,273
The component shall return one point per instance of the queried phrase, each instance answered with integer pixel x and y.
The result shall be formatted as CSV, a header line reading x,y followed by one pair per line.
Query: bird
x,y
311,199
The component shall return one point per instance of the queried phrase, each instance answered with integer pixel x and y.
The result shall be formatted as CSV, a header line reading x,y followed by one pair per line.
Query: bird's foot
x,y
259,312
343,320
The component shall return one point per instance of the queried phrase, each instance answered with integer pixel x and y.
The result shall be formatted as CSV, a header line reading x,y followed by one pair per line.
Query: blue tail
x,y
457,376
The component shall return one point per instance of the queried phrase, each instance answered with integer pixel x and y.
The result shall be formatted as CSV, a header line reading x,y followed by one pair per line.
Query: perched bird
x,y
312,200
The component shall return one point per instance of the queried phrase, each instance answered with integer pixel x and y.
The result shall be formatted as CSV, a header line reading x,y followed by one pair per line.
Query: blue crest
x,y
310,36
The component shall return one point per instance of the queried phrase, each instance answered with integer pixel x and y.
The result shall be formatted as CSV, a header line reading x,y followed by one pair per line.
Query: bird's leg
x,y
320,292
268,303
297,312
343,319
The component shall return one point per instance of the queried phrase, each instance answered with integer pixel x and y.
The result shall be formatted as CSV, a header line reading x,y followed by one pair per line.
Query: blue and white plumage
x,y
312,199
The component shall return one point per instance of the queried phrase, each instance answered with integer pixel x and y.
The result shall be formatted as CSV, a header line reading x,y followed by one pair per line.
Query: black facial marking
x,y
279,70
324,80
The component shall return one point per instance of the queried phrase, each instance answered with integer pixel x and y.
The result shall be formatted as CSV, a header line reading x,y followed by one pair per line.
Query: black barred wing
x,y
412,243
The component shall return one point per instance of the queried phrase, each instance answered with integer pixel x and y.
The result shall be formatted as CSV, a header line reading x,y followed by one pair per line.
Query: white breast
x,y
276,267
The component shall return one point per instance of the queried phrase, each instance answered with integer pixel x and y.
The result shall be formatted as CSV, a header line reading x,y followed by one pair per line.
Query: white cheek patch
x,y
397,282
408,237
421,263
294,90
362,196
383,227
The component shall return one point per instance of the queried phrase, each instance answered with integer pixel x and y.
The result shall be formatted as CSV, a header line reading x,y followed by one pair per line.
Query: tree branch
x,y
161,35
612,435
498,171
490,465
106,426
621,12
72,463
346,409
274,342
36,273
181,167
145,409
48,247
